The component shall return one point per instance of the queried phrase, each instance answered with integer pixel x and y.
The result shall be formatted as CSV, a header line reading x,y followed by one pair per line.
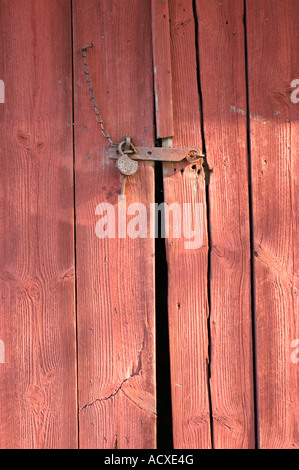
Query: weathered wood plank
x,y
162,68
223,85
187,268
116,314
37,312
273,49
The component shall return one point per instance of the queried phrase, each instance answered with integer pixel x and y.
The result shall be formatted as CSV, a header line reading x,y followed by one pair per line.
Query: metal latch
x,y
127,156
126,152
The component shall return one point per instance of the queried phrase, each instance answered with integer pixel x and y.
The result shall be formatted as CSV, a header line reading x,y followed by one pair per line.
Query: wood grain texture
x,y
37,314
223,85
273,48
116,311
162,68
187,268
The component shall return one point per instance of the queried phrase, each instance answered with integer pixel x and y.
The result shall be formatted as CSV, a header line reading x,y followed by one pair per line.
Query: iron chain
x,y
92,97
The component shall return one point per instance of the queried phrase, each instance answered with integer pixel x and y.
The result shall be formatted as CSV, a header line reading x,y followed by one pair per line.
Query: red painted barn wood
x,y
116,326
223,85
187,268
273,50
144,60
162,68
37,313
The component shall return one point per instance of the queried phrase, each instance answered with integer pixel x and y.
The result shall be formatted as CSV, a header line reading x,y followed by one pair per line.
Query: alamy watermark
x,y
2,352
135,221
295,93
2,92
295,353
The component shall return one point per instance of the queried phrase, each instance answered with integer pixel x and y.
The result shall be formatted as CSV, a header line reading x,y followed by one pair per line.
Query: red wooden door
x,y
38,389
79,356
115,277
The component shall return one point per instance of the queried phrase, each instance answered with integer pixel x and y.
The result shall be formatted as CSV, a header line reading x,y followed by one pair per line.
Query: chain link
x,y
92,97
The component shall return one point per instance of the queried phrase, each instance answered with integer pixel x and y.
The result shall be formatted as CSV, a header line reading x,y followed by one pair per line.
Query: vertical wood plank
x,y
162,68
37,313
273,48
116,326
223,85
187,268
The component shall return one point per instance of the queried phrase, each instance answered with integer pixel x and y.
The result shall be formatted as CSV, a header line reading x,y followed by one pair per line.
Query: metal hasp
x,y
161,154
127,156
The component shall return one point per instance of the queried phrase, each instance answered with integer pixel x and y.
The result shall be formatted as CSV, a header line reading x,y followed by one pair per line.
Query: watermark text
x,y
295,353
295,93
2,92
135,221
2,352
